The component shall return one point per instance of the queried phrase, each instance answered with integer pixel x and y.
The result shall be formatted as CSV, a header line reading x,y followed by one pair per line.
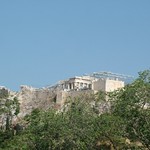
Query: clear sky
x,y
43,41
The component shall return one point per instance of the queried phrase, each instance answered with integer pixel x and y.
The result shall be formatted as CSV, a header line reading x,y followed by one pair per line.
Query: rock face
x,y
43,98
31,98
55,96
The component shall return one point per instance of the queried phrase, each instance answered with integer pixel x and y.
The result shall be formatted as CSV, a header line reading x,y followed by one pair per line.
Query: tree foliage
x,y
80,125
9,108
132,103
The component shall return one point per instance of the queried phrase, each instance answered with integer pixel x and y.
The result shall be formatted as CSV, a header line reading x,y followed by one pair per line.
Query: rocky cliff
x,y
30,98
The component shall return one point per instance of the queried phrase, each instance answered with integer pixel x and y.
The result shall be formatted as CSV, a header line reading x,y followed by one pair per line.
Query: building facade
x,y
76,86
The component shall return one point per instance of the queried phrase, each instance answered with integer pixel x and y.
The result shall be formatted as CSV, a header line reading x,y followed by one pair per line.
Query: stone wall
x,y
62,96
99,85
31,98
44,98
112,85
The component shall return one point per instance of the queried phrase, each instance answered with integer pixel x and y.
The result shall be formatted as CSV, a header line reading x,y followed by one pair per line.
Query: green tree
x,y
132,103
80,125
9,107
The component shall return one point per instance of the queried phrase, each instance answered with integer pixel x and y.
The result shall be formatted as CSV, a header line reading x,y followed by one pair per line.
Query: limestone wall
x,y
62,96
31,98
99,85
107,85
112,85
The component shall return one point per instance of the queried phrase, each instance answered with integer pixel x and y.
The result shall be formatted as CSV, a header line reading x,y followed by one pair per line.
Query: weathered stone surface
x,y
31,98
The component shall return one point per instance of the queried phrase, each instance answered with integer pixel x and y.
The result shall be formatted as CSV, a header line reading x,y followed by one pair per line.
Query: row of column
x,y
77,85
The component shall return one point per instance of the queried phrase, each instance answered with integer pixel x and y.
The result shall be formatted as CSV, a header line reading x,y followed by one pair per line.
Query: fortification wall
x,y
62,96
31,98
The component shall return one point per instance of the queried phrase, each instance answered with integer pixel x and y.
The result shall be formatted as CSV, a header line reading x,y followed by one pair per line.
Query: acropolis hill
x,y
55,96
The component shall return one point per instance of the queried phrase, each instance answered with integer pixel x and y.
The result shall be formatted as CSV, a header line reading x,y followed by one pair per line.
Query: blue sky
x,y
42,42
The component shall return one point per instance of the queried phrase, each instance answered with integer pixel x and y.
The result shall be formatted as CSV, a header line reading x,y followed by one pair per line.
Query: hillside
x,y
81,124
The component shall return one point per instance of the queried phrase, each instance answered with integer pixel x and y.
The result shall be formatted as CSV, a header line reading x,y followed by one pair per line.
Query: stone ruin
x,y
55,96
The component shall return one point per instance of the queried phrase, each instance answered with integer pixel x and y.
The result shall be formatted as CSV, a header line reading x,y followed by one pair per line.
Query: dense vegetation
x,y
81,126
